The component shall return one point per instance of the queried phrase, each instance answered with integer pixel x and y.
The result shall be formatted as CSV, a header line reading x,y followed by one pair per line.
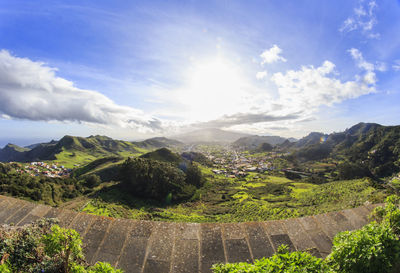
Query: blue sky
x,y
134,69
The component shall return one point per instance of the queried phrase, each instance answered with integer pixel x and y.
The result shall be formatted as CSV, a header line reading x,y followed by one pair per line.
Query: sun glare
x,y
214,88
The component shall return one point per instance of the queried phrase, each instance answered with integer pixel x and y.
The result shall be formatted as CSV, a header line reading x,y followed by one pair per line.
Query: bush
x,y
21,248
63,243
44,247
389,214
92,181
372,249
4,268
103,268
282,261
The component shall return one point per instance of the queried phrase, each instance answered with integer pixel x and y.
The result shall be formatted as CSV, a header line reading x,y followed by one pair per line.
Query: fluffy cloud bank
x,y
308,88
32,91
244,118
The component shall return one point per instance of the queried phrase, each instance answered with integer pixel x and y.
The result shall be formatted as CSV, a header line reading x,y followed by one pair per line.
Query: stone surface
x,y
212,249
298,235
8,212
186,257
160,248
134,251
114,240
259,242
157,247
35,214
320,239
94,237
236,245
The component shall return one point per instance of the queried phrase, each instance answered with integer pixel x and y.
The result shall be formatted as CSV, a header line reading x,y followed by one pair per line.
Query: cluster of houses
x,y
42,168
238,165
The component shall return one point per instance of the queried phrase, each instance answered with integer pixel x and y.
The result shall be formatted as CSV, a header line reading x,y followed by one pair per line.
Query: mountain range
x,y
210,135
372,145
255,142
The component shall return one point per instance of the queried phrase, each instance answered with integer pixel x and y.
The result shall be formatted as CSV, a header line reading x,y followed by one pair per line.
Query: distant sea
x,y
21,141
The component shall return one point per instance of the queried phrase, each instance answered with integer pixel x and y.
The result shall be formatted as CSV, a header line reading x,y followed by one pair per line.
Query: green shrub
x,y
372,249
20,248
282,261
63,243
389,214
4,268
44,247
92,181
103,268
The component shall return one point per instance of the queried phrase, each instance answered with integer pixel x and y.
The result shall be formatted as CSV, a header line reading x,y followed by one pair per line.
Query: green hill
x,y
70,150
254,142
158,142
164,155
197,157
12,152
374,146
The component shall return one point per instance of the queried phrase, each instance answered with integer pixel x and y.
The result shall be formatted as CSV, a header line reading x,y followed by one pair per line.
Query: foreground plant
x,y
281,261
47,248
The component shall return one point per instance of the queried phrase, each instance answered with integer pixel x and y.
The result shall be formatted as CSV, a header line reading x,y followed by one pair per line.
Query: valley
x,y
244,180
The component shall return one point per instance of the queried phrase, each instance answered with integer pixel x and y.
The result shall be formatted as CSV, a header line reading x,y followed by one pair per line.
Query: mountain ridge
x,y
210,135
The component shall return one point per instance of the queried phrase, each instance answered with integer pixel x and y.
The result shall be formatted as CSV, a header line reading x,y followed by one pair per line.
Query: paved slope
x,y
157,247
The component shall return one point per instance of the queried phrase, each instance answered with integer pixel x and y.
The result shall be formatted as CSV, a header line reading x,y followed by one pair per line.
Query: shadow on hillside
x,y
116,194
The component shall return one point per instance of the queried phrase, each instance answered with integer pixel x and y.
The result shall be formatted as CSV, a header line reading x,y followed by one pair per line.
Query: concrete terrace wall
x,y
158,247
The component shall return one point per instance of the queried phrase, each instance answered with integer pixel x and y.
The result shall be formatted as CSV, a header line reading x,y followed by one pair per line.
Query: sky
x,y
137,69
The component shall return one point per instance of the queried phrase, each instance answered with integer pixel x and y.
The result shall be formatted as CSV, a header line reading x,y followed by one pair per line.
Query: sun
x,y
213,88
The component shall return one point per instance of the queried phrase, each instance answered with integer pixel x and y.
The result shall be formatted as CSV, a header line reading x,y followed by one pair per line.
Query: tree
x,y
92,181
153,179
348,170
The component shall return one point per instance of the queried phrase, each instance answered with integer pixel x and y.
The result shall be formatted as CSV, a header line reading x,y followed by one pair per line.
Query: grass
x,y
72,159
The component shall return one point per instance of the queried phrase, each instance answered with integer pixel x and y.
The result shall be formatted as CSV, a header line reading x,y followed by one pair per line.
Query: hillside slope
x,y
69,149
210,135
370,144
158,142
255,142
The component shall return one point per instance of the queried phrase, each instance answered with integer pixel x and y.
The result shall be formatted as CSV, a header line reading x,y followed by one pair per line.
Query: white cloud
x,y
261,75
396,66
32,91
272,55
381,66
361,63
363,19
370,76
308,88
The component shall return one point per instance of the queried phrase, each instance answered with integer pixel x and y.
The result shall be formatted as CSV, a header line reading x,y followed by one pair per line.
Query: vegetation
x,y
229,200
47,190
70,151
160,180
374,248
373,149
45,247
281,261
